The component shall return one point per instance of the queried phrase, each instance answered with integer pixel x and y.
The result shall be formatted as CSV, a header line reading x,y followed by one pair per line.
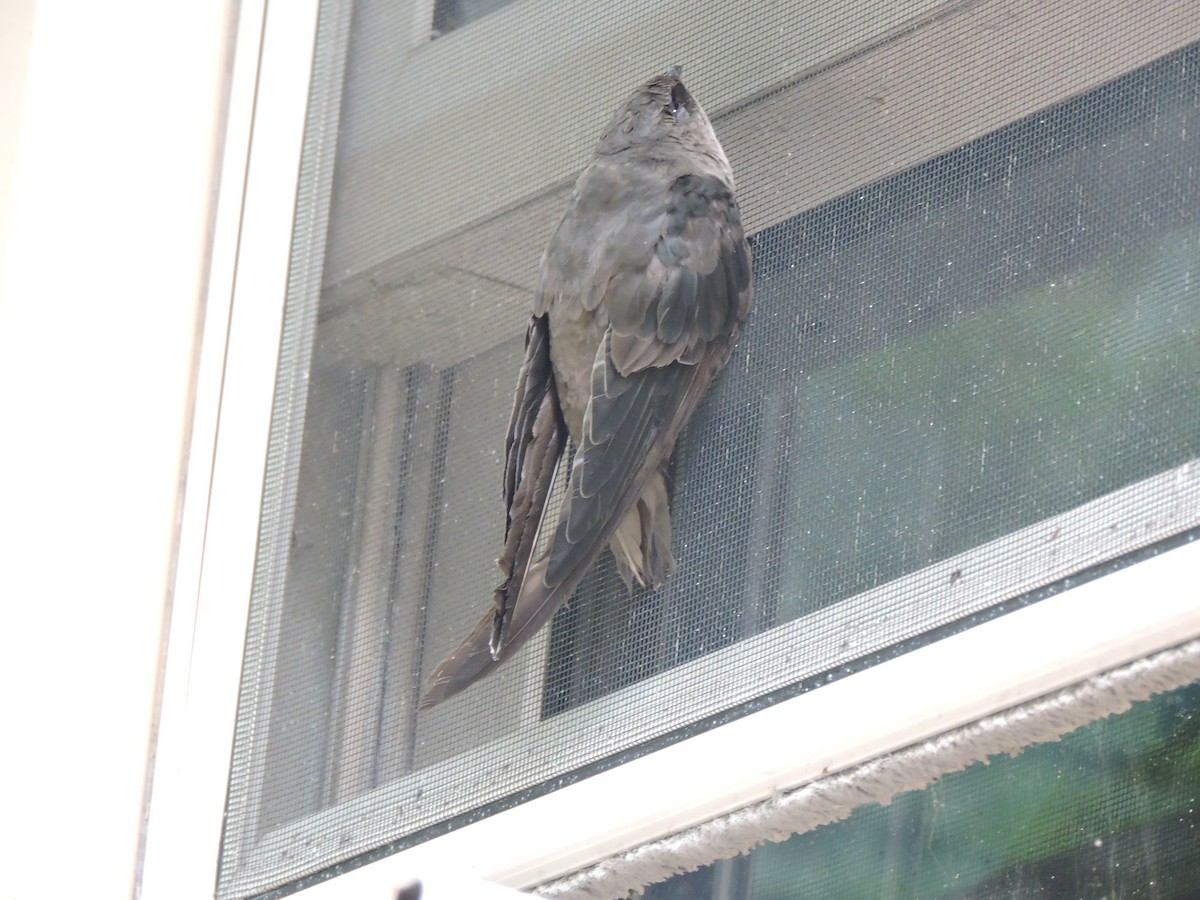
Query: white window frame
x,y
252,242
1065,639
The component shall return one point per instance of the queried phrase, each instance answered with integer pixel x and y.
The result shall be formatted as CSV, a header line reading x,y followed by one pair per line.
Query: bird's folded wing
x,y
535,442
673,319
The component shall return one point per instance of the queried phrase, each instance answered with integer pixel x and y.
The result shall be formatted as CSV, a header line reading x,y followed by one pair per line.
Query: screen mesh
x,y
969,373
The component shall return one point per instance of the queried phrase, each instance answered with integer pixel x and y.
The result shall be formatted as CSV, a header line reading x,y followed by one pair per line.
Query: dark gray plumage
x,y
643,290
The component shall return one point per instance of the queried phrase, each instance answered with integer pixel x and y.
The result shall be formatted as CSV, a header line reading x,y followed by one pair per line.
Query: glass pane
x,y
1108,811
451,14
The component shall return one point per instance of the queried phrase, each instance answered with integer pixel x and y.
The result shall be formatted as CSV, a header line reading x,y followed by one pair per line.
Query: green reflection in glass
x,y
1110,810
1047,399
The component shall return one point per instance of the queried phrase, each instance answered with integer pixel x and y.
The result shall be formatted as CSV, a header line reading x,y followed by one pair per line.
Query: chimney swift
x,y
642,293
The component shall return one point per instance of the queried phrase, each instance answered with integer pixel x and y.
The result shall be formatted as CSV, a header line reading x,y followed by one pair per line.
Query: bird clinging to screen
x,y
642,293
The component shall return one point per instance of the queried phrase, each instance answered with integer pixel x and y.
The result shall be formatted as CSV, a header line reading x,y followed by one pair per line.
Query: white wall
x,y
110,118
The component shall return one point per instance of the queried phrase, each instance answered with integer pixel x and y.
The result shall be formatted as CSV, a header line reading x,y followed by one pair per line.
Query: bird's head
x,y
661,111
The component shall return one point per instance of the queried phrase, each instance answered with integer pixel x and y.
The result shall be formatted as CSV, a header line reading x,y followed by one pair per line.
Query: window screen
x,y
970,372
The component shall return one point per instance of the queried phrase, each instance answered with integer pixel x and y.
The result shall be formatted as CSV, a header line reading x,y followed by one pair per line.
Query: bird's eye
x,y
679,99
